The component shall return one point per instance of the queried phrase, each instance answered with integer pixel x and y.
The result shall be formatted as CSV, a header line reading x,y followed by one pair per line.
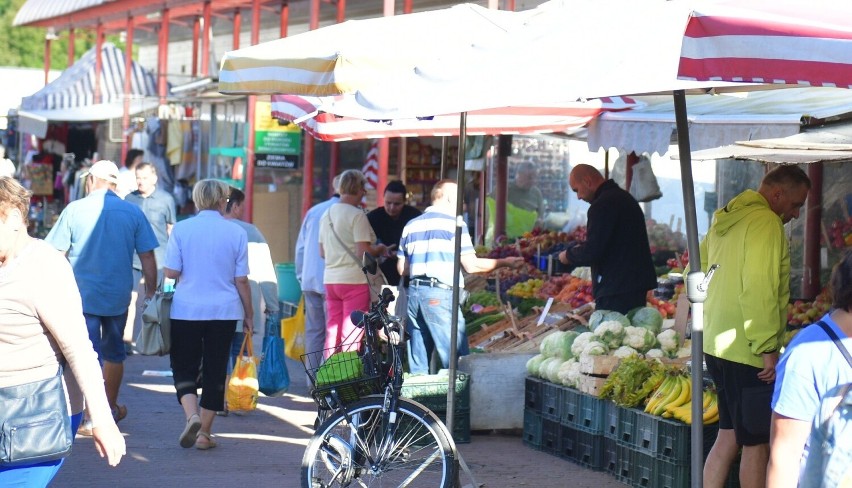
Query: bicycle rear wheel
x,y
416,452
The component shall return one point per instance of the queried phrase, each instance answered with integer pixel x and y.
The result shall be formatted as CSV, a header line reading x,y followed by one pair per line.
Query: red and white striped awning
x,y
564,117
770,41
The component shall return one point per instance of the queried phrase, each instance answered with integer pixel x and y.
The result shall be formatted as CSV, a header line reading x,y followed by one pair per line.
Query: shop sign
x,y
270,137
277,161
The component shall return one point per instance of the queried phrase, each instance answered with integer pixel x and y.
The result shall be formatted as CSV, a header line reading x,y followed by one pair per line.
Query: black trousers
x,y
623,302
204,345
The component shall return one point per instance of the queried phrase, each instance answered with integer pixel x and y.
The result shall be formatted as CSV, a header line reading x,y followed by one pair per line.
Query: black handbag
x,y
35,425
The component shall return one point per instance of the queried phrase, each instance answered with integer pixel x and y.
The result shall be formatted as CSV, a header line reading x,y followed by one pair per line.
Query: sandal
x,y
190,431
204,441
119,412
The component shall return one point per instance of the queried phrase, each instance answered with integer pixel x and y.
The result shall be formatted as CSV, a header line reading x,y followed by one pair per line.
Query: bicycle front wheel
x,y
415,451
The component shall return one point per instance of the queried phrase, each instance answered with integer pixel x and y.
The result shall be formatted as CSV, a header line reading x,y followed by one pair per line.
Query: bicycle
x,y
369,435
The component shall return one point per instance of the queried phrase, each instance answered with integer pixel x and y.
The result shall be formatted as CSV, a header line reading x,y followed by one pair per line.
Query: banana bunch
x,y
711,407
674,391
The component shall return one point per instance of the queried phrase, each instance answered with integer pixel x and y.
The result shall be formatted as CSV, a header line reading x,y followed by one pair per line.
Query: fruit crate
x,y
551,397
610,456
624,467
551,436
669,440
583,448
610,420
532,429
626,432
431,390
532,394
570,406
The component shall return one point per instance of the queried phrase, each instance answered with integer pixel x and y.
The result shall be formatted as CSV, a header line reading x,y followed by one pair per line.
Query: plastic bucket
x,y
288,286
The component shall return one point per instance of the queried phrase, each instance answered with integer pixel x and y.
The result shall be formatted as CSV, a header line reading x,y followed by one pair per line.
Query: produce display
x,y
840,234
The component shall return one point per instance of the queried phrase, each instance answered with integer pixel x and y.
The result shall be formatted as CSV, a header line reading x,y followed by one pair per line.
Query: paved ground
x,y
264,448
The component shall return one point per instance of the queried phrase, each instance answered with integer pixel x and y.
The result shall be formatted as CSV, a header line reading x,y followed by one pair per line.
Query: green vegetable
x,y
639,338
633,380
481,321
534,363
649,318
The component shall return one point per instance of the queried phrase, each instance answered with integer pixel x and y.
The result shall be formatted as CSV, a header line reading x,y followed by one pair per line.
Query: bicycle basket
x,y
347,371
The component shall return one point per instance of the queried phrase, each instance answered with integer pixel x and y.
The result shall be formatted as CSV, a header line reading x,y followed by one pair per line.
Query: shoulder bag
x,y
376,281
35,425
154,338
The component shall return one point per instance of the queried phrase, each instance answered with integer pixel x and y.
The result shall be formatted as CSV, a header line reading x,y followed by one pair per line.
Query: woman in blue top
x,y
208,256
811,366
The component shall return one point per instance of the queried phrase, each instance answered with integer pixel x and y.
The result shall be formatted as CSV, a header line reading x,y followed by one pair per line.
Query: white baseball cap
x,y
104,170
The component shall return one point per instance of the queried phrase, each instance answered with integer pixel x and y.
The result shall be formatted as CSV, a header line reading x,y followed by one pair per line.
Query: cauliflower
x,y
594,348
625,352
580,342
610,332
569,373
639,338
683,352
668,340
655,354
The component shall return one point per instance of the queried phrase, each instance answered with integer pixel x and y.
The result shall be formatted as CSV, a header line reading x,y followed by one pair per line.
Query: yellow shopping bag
x,y
243,386
293,332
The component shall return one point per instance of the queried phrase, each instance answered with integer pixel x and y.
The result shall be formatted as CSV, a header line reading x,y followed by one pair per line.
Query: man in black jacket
x,y
616,245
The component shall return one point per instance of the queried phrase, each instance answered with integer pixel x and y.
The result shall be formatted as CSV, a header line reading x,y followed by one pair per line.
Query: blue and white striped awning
x,y
76,86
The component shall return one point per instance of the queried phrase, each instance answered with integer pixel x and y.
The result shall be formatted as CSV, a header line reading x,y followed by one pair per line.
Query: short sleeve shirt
x,y
351,225
159,209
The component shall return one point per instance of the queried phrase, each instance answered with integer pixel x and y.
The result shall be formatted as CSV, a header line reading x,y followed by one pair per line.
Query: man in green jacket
x,y
745,315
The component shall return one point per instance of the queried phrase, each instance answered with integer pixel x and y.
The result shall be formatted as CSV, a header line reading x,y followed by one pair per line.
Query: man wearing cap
x,y
100,234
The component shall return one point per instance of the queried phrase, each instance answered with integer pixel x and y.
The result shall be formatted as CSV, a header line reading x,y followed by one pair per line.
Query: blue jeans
x,y
428,326
107,336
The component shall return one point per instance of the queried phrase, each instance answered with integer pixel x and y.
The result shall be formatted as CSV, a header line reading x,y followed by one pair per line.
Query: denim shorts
x,y
107,336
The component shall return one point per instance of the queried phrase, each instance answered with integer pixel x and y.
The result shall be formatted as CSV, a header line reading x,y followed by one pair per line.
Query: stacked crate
x,y
431,391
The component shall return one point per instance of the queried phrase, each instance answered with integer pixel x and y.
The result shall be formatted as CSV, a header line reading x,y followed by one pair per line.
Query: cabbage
x,y
548,346
596,318
552,373
543,368
564,343
610,332
580,342
534,363
649,318
639,338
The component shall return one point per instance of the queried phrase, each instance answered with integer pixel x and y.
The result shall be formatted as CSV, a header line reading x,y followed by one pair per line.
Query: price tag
x,y
544,312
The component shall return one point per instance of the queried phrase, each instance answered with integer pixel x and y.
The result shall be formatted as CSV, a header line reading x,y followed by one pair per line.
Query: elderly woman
x,y
208,256
41,328
344,236
802,382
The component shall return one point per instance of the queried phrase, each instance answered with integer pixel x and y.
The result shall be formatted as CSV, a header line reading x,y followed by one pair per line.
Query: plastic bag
x,y
243,385
643,184
154,338
293,332
272,377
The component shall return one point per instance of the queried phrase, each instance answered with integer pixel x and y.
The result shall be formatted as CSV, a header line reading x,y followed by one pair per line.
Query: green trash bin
x,y
288,286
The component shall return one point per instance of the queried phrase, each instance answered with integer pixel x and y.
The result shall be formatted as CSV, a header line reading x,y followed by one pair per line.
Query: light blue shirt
x,y
100,234
310,267
209,251
428,245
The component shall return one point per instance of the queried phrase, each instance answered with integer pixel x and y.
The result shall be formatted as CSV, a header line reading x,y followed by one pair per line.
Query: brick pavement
x,y
264,448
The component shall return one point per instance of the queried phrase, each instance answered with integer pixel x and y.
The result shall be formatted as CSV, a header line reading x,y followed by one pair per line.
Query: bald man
x,y
616,246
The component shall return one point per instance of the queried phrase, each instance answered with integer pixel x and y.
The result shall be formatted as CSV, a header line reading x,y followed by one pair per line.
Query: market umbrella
x,y
316,115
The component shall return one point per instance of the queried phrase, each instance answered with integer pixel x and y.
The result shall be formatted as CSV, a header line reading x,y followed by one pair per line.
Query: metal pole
x,y
695,288
454,322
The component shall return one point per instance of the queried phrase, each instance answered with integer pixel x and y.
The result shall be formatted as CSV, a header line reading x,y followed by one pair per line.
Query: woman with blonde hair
x,y
345,235
42,328
208,256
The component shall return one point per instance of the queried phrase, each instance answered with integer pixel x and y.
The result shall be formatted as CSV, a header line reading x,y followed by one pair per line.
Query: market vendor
x,y
425,253
616,246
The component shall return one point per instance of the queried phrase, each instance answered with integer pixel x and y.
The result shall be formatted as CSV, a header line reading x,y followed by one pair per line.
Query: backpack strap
x,y
828,330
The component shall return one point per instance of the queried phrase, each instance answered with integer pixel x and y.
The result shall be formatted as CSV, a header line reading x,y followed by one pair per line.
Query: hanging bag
x,y
272,377
242,387
35,426
154,338
293,332
643,185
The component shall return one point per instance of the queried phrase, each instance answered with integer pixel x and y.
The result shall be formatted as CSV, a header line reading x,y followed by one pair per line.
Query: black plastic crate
x,y
551,440
624,467
551,396
589,450
610,420
610,456
644,469
666,439
568,442
532,394
461,424
431,390
671,475
590,416
570,406
626,433
532,429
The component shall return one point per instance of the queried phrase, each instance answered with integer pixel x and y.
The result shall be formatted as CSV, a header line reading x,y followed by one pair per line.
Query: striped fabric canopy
x,y
311,115
76,86
770,41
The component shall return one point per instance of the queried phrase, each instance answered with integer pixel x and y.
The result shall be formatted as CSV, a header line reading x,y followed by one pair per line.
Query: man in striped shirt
x,y
426,253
